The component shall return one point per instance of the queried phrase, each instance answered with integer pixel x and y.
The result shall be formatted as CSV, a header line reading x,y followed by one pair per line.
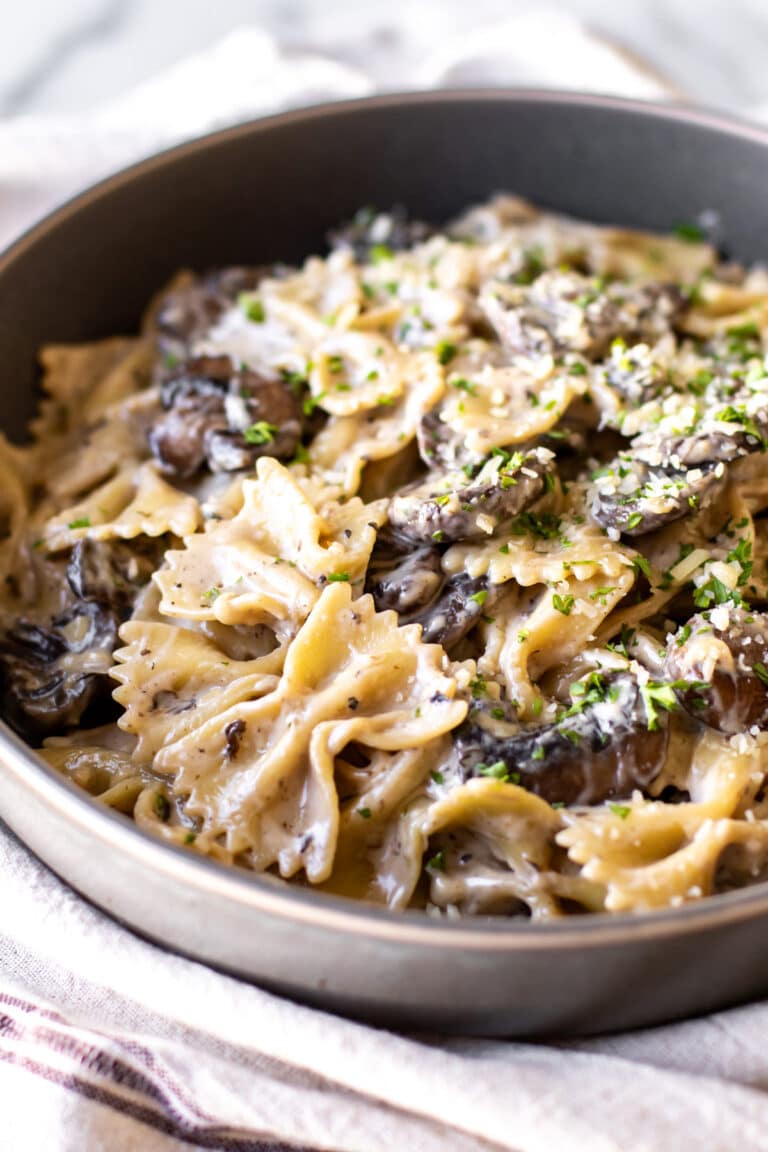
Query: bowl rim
x,y
268,894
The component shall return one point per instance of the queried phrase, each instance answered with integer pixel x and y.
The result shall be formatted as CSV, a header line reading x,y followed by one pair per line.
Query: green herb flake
x,y
563,604
380,253
478,687
260,433
81,522
480,597
253,308
620,810
437,862
761,672
365,813
497,771
465,386
338,578
445,351
438,777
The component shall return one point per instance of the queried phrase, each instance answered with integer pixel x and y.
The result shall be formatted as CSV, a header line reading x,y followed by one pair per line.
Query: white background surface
x,y
62,56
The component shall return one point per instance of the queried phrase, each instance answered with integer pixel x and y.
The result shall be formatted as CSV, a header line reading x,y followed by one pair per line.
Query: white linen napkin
x,y
107,1042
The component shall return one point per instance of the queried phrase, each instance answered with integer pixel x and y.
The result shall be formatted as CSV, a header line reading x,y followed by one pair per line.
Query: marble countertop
x,y
65,58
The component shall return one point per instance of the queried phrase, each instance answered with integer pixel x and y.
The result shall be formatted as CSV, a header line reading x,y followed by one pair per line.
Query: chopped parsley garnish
x,y
338,578
577,369
465,386
81,522
335,365
544,525
301,455
438,777
498,771
437,862
742,555
380,253
715,592
311,403
635,519
260,433
480,597
445,351
478,687
563,604
211,594
620,810
700,382
624,643
641,567
761,672
253,308
658,695
732,415
365,813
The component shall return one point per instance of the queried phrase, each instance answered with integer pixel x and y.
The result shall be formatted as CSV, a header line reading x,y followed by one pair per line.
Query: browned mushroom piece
x,y
723,655
724,434
463,601
604,746
409,578
403,576
185,314
633,498
633,372
443,446
454,506
223,416
49,665
370,233
45,687
563,311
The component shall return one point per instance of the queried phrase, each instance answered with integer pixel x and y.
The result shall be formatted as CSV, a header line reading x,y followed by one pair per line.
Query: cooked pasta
x,y
433,573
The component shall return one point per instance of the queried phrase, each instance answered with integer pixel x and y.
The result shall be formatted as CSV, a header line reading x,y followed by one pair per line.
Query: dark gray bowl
x,y
265,191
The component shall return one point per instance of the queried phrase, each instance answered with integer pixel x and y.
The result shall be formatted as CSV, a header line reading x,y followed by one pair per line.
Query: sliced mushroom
x,y
565,311
223,416
603,748
113,571
185,314
633,498
443,446
451,507
402,576
723,654
724,434
55,669
45,686
462,602
370,230
635,374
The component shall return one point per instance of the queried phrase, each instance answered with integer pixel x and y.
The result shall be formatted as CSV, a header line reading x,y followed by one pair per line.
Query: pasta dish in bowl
x,y
431,572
